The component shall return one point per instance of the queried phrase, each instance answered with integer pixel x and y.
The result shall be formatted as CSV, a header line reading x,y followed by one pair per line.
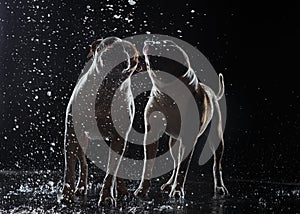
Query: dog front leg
x,y
69,173
115,155
174,150
120,187
150,150
177,189
81,188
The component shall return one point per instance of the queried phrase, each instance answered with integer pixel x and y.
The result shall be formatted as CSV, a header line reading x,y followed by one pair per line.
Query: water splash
x,y
131,2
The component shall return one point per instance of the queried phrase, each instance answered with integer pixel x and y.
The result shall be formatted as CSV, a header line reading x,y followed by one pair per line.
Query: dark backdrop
x,y
44,46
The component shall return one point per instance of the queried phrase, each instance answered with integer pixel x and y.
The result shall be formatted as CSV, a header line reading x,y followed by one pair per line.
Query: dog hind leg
x,y
219,187
115,155
81,188
174,150
150,150
70,151
177,189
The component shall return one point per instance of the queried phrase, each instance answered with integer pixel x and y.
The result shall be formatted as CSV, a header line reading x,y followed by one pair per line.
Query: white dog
x,y
207,104
106,52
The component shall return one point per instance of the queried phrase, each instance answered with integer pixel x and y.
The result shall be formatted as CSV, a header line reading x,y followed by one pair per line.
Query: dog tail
x,y
221,87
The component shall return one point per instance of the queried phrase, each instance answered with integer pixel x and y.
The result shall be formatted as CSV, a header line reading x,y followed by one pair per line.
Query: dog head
x,y
100,44
93,47
114,49
167,56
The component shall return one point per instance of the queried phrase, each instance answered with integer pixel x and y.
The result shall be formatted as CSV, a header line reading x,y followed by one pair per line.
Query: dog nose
x,y
90,54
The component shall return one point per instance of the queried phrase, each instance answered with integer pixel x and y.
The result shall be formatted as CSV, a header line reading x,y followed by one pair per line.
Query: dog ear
x,y
93,47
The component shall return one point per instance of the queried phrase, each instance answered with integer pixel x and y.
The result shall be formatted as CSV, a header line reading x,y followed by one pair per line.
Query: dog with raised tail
x,y
82,112
207,103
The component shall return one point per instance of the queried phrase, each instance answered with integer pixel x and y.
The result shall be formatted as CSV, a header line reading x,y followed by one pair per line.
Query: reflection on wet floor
x,y
36,192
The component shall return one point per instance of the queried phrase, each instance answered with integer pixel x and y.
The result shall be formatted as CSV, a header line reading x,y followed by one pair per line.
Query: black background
x,y
44,46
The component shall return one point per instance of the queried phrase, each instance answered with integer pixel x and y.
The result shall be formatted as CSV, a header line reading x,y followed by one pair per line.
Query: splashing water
x,y
131,2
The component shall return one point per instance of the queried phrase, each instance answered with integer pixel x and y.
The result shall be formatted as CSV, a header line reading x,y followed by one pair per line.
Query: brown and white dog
x,y
104,52
207,104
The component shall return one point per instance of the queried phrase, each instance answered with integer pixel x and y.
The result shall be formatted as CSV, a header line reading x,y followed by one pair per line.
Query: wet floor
x,y
36,192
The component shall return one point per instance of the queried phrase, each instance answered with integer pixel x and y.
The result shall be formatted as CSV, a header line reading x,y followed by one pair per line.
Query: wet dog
x,y
107,54
207,104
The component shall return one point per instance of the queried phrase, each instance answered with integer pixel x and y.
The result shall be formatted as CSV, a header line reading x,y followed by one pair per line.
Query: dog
x,y
104,53
207,104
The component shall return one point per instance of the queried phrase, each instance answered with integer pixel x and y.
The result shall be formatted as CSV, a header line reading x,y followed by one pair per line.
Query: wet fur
x,y
207,103
75,152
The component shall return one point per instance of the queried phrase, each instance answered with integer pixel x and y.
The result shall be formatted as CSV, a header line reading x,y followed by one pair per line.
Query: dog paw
x,y
107,202
106,198
176,193
81,190
67,195
221,191
142,190
166,187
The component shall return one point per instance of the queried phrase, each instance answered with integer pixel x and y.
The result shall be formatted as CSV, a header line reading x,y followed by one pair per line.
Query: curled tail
x,y
221,87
